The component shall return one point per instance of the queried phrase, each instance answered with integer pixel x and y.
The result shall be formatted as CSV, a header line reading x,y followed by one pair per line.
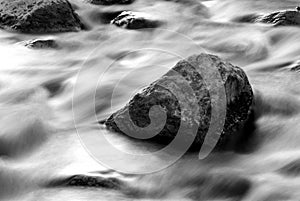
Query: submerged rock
x,y
281,18
249,18
38,16
221,186
238,91
54,87
42,44
135,20
291,169
109,2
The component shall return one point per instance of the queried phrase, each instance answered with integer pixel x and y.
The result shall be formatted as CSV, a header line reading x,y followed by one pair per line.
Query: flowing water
x,y
51,101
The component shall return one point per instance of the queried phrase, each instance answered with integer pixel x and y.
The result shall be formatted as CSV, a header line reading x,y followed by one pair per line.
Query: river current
x,y
51,101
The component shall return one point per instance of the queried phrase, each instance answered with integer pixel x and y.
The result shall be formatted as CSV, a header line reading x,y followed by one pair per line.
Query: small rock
x,y
281,18
38,16
87,181
134,20
109,2
42,44
238,93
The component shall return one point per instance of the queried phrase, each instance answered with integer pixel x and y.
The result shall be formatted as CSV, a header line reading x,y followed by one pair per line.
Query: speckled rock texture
x,y
38,16
87,181
238,101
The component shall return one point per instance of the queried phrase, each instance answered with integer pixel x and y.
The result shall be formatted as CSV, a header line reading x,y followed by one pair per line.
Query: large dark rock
x,y
38,16
281,18
109,2
238,91
134,20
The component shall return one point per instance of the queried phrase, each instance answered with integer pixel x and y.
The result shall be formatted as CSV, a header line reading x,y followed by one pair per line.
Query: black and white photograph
x,y
150,100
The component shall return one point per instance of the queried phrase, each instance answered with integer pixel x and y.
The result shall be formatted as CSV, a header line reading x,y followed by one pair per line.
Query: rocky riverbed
x,y
149,100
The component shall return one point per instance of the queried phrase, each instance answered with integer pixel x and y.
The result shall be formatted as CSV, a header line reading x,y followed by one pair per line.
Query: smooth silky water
x,y
40,141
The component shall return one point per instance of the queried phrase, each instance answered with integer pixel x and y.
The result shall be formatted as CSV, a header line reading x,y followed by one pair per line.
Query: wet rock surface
x,y
238,93
38,16
135,20
109,2
42,44
281,18
278,18
296,66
